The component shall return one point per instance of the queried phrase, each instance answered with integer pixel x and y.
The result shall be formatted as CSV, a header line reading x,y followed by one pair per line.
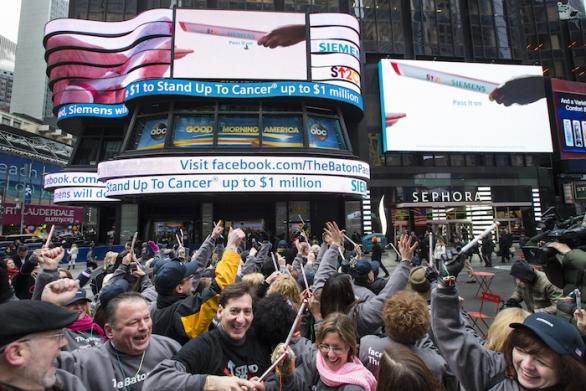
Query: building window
x,y
427,160
471,160
502,160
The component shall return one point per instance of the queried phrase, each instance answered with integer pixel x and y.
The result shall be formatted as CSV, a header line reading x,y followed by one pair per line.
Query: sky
x,y
9,16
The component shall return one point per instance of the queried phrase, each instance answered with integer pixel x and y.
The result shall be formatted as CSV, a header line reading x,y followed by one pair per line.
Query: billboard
x,y
463,107
569,100
86,66
97,63
571,9
240,45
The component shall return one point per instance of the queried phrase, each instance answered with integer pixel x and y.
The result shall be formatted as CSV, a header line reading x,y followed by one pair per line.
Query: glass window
x,y
281,219
529,160
149,133
502,160
154,108
282,131
299,209
428,160
110,148
456,160
441,160
472,160
517,160
325,133
5,121
353,217
87,152
194,106
281,106
393,159
238,131
193,131
488,160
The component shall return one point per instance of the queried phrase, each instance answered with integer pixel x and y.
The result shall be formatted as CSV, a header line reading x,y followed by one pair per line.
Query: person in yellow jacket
x,y
181,315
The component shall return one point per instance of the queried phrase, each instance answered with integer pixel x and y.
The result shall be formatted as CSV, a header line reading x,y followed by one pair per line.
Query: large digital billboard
x,y
447,106
92,64
241,45
569,100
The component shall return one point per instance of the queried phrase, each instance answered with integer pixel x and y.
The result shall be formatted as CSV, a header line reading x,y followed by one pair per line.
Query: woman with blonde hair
x,y
286,286
499,330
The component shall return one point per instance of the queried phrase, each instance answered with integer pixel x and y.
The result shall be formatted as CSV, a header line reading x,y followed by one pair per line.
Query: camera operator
x,y
573,268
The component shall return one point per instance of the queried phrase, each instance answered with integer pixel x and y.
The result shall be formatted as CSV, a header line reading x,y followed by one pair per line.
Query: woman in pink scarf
x,y
83,333
331,364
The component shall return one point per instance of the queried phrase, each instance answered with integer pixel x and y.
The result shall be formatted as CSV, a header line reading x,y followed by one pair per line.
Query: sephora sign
x,y
445,196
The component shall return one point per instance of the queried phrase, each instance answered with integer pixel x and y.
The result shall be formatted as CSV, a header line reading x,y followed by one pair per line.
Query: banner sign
x,y
71,179
41,214
233,165
234,183
80,194
569,100
205,89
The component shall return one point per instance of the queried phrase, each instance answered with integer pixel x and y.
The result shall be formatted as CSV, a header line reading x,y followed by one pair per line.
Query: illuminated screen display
x,y
325,133
153,134
282,131
446,106
194,131
238,131
569,100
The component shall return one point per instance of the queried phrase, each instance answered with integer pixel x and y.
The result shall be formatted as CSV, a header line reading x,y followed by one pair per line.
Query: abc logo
x,y
159,131
319,131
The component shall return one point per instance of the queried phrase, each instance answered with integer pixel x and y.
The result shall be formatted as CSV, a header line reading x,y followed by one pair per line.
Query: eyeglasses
x,y
335,349
57,337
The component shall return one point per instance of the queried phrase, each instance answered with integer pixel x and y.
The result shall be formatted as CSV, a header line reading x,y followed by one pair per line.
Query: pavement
x,y
502,283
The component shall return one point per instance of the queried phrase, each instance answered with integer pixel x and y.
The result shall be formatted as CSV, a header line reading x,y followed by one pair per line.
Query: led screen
x,y
569,99
194,131
441,106
229,44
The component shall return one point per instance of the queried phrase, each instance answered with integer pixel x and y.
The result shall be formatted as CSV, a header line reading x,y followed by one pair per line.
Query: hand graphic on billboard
x,y
284,36
393,118
522,91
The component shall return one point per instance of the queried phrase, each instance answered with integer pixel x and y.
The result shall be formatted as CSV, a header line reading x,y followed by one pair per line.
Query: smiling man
x,y
29,343
229,357
124,362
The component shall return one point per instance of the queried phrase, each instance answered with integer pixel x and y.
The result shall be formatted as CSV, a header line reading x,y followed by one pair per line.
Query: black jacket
x,y
171,311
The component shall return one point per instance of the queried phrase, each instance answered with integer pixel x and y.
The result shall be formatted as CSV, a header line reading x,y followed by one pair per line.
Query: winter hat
x,y
31,316
154,246
418,282
523,271
114,289
558,334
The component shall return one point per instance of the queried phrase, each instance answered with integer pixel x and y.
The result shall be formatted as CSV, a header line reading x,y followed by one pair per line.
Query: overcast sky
x,y
9,16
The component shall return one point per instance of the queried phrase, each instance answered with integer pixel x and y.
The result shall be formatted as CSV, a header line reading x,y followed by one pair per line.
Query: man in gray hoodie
x,y
124,362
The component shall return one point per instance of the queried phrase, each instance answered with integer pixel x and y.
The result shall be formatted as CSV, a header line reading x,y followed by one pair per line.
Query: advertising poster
x,y
569,99
238,131
86,67
153,134
240,45
325,133
449,106
571,9
282,131
194,131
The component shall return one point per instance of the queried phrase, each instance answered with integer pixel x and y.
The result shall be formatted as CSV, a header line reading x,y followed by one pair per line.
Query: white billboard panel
x,y
463,107
226,44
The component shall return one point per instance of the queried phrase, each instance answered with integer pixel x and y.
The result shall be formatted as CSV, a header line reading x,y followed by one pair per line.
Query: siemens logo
x,y
331,47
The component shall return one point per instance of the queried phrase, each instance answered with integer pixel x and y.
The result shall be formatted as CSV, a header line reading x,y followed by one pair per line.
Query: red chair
x,y
479,318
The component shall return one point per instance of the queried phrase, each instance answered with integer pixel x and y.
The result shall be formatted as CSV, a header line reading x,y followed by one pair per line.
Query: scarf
x,y
350,373
87,324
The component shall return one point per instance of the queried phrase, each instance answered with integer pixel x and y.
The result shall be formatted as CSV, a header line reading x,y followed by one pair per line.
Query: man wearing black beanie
x,y
533,288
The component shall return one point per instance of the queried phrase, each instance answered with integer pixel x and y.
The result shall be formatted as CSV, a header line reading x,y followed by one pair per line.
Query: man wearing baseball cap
x,y
179,314
29,343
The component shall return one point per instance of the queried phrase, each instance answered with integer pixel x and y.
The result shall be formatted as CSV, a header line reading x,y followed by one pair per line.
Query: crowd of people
x,y
236,315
